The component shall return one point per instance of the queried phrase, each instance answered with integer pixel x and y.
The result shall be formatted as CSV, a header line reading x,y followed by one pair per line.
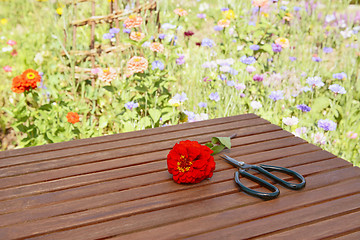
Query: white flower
x,y
330,18
240,47
255,104
347,33
300,131
39,58
319,138
203,7
201,117
7,49
290,121
225,68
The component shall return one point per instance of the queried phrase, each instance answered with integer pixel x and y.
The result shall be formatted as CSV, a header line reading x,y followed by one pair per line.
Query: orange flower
x,y
156,47
31,78
133,21
137,36
137,65
17,85
107,75
181,12
260,3
288,17
72,117
26,81
283,42
224,23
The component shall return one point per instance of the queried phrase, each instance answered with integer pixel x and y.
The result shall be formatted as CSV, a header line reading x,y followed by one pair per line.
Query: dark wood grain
x,y
118,187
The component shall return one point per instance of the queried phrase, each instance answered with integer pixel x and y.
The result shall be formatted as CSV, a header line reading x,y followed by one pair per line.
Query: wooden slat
x,y
11,157
198,224
349,236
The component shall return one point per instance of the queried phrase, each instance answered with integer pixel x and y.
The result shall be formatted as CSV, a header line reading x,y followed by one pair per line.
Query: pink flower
x,y
95,70
7,68
11,42
260,3
352,135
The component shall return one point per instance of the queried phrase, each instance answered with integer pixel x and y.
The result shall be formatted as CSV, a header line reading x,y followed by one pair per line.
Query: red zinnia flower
x,y
190,162
31,78
72,117
17,85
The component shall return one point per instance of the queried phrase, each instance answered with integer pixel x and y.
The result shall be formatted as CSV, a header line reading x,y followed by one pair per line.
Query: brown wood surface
x,y
118,187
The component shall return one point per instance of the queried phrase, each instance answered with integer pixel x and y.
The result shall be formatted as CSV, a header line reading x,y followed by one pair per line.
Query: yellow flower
x,y
3,21
265,14
59,11
229,14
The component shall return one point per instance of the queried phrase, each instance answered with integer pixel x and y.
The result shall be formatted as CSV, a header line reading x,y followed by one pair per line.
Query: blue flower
x,y
214,96
125,30
251,23
224,9
303,107
131,105
292,59
315,81
296,8
157,65
168,26
218,28
284,8
327,50
162,36
230,83
248,60
201,15
181,59
254,47
316,59
233,72
276,95
206,42
276,47
114,30
327,125
340,76
108,35
191,115
336,88
202,104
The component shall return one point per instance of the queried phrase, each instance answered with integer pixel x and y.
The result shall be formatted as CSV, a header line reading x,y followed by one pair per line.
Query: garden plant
x,y
294,63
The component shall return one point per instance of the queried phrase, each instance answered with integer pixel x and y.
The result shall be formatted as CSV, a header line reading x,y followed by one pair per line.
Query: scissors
x,y
264,169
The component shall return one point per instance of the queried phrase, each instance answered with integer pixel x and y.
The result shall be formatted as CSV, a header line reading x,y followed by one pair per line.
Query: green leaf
x,y
217,149
109,88
103,121
46,107
209,145
214,140
145,122
319,104
155,114
141,88
225,141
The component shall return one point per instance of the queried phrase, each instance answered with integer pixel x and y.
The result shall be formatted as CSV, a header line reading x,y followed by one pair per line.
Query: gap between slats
x,y
123,136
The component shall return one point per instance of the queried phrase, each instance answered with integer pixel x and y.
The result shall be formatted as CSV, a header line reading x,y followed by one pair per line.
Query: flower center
x,y
30,76
183,164
137,59
132,16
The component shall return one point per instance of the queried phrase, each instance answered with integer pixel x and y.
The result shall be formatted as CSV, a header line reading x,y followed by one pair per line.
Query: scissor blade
x,y
232,161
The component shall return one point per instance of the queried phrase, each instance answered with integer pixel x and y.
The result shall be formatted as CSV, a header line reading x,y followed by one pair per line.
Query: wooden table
x,y
118,187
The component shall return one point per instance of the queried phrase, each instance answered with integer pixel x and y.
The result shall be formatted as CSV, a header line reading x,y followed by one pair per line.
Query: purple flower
x,y
337,89
126,30
276,47
251,23
284,8
250,69
258,78
181,59
202,104
211,64
254,47
327,124
168,26
131,105
222,77
224,9
157,65
214,96
315,81
191,116
327,50
316,59
218,28
162,36
296,8
303,107
230,83
340,76
248,60
206,42
292,59
114,30
276,95
108,35
201,15
233,72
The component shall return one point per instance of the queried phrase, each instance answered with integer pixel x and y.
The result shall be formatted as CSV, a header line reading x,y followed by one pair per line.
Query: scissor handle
x,y
263,195
294,186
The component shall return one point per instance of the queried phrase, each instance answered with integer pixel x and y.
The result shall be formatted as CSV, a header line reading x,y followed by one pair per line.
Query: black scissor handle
x,y
263,195
294,186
